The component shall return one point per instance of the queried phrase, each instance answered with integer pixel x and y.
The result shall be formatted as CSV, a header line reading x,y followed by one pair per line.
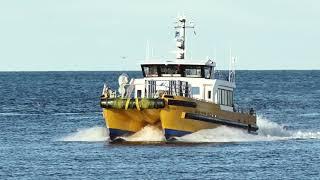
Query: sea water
x,y
51,127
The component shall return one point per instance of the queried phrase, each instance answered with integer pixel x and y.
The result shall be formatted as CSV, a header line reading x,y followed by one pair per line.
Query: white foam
x,y
93,134
149,134
306,135
268,128
268,131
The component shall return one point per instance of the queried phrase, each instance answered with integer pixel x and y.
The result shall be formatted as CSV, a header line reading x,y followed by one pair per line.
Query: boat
x,y
180,96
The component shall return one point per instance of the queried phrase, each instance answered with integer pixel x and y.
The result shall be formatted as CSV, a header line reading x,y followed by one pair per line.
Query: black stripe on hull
x,y
182,103
225,122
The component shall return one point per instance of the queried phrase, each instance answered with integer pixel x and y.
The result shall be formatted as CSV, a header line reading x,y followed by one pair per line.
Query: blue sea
x,y
51,127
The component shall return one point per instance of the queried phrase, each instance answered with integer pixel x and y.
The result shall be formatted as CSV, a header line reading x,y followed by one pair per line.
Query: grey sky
x,y
94,35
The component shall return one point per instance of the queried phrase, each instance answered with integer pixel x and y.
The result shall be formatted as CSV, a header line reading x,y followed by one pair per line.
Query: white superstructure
x,y
195,79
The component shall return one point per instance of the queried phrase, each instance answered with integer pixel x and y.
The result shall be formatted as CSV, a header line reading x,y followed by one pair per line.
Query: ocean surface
x,y
51,127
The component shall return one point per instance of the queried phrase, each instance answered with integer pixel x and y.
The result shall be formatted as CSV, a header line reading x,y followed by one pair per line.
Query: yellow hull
x,y
122,122
179,116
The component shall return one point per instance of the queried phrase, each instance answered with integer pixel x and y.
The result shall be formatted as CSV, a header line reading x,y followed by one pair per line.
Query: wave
x,y
17,114
310,114
268,131
93,134
75,113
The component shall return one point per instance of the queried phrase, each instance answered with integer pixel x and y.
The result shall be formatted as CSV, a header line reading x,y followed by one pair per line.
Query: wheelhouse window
x,y
170,70
150,71
193,71
177,70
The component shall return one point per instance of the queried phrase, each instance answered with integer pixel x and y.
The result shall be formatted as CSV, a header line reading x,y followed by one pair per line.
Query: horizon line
x,y
140,70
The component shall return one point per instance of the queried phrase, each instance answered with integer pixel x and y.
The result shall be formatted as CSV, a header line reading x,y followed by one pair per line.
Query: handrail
x,y
155,88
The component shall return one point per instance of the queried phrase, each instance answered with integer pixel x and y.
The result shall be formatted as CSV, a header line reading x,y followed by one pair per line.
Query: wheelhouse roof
x,y
180,62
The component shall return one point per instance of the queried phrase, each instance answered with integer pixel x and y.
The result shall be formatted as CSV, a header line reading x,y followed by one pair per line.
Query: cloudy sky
x,y
44,35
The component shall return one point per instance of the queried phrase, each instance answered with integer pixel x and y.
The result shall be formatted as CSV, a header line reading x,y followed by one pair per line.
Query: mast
x,y
232,68
180,36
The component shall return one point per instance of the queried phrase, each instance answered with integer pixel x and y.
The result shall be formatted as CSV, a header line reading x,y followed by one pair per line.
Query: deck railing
x,y
156,88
